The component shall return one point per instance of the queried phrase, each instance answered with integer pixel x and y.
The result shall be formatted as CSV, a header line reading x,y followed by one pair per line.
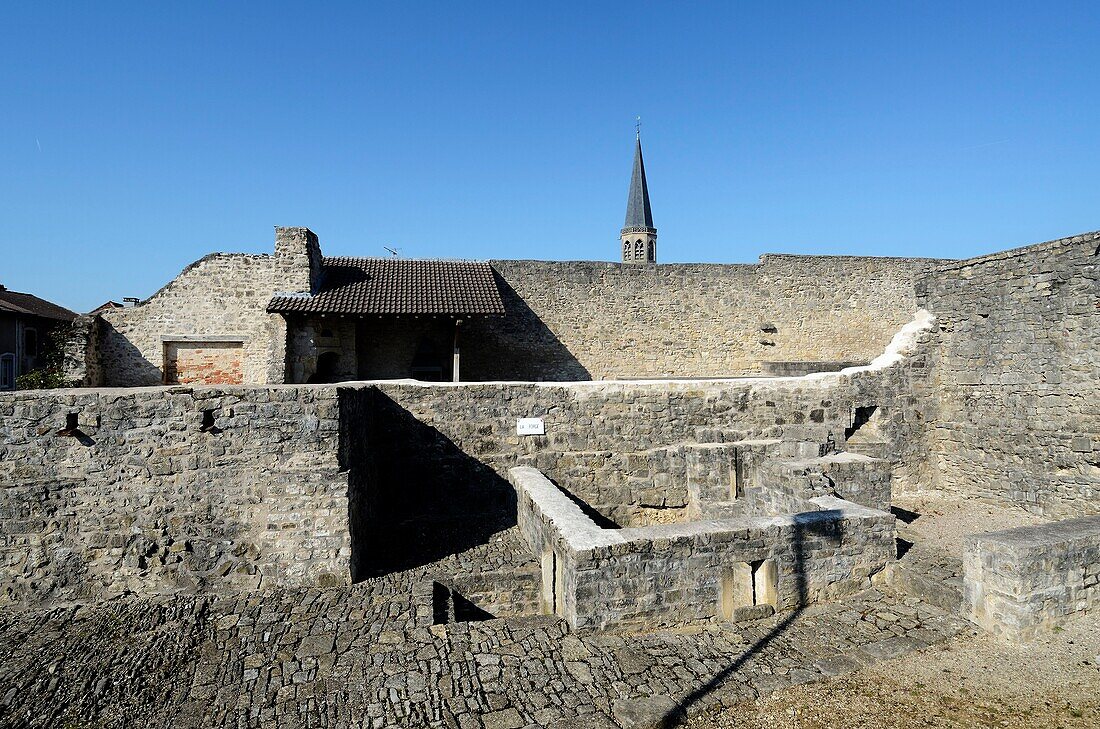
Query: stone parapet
x,y
158,490
646,577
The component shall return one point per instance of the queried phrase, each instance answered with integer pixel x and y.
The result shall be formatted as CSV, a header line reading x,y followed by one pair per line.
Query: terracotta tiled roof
x,y
18,303
398,286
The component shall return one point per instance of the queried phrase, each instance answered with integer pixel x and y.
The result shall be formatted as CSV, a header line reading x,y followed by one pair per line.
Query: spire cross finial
x,y
638,128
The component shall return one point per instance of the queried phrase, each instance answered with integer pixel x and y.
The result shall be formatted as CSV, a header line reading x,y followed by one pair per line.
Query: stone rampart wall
x,y
621,446
578,320
220,487
1022,582
166,489
1015,381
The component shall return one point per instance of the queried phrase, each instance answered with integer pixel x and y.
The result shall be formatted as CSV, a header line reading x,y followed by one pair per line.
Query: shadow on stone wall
x,y
123,363
414,496
517,346
809,527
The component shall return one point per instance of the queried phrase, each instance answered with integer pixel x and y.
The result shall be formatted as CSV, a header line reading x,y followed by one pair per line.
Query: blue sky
x,y
136,138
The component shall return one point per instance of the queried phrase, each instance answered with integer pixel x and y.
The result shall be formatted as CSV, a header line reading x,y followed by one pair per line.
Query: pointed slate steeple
x,y
638,212
638,236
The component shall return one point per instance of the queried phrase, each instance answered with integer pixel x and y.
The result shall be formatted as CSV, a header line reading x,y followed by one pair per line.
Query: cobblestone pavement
x,y
369,655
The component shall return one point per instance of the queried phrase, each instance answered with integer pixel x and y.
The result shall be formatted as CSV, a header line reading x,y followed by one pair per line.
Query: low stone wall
x,y
165,489
642,578
1021,582
785,485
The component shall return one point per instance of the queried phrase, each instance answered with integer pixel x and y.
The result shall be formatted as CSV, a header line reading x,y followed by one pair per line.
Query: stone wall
x,y
1022,582
222,298
165,489
221,487
81,360
573,320
644,578
311,339
783,485
580,320
1015,381
625,447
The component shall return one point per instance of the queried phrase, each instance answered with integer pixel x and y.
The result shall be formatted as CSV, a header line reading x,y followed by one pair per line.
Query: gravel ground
x,y
945,522
974,680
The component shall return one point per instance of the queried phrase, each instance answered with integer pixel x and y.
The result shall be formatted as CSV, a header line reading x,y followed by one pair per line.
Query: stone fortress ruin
x,y
385,492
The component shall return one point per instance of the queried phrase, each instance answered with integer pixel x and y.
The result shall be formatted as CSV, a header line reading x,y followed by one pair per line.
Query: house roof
x,y
397,286
14,302
106,306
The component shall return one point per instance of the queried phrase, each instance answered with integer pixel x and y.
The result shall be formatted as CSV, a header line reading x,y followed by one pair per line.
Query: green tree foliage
x,y
51,374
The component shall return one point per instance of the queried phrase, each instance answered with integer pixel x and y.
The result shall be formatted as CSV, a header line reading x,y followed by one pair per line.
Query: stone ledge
x,y
1021,582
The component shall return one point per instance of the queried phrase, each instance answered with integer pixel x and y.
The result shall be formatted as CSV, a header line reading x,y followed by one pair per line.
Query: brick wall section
x,y
581,320
1022,582
205,363
1015,379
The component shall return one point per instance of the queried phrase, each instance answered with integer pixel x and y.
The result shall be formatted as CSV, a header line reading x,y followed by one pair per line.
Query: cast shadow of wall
x,y
414,496
121,363
517,346
827,525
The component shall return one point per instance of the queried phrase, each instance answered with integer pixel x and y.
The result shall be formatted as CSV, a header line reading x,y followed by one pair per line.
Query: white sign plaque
x,y
530,426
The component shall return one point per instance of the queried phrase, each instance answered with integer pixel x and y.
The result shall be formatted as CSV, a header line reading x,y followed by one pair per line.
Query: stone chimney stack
x,y
298,253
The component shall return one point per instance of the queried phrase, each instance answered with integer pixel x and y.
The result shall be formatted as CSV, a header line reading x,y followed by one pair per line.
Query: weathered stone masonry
x,y
1013,387
225,488
578,320
701,571
571,320
221,299
166,489
1005,409
1023,582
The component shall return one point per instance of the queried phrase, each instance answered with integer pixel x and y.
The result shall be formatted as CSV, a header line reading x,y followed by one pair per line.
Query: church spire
x,y
638,236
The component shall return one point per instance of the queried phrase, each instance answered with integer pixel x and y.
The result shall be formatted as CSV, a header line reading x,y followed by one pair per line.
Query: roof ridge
x,y
392,258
